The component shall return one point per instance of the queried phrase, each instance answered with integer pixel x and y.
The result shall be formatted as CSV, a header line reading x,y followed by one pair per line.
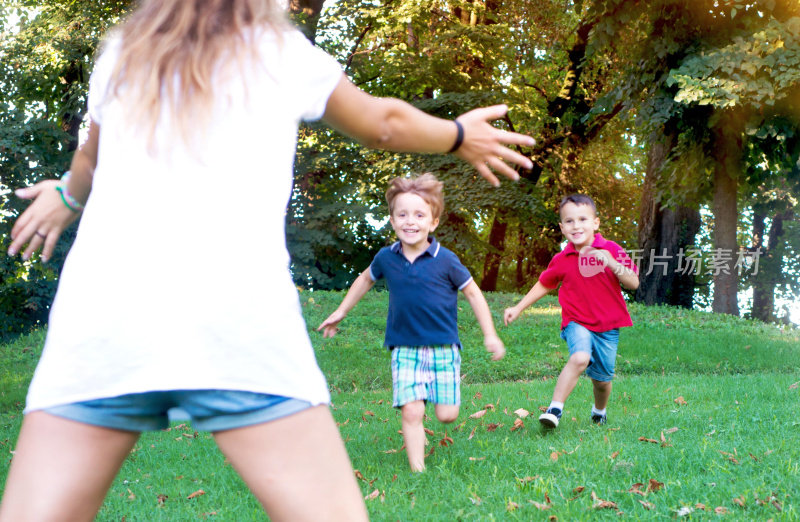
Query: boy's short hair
x,y
425,186
578,199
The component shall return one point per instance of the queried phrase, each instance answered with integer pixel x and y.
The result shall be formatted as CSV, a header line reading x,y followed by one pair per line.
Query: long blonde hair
x,y
164,40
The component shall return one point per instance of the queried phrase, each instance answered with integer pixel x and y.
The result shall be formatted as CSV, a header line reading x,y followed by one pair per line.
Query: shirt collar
x,y
432,250
598,242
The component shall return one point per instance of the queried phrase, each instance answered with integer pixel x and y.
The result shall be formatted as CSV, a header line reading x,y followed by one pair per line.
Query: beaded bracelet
x,y
70,202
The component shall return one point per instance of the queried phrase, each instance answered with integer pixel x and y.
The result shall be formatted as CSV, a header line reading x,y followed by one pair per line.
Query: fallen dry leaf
x,y
478,414
700,506
373,495
493,426
369,413
720,510
543,409
429,431
161,499
511,506
131,496
729,456
489,406
739,501
547,498
539,506
680,401
517,424
522,412
477,458
359,475
614,455
794,385
525,480
671,430
475,499
578,490
602,504
647,505
196,494
654,485
446,441
645,439
554,456
637,488
478,395
472,433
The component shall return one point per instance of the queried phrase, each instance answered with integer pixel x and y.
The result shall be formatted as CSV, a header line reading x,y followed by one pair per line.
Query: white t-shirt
x,y
179,276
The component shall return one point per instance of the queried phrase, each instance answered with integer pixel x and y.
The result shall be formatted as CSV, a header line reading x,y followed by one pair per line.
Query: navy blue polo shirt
x,y
423,295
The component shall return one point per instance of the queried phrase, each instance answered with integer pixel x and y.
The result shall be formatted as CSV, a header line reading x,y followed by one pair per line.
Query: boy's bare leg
x,y
414,434
570,374
447,413
62,469
602,392
296,466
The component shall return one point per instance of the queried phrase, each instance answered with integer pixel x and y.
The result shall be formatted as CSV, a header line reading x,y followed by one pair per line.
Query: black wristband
x,y
459,137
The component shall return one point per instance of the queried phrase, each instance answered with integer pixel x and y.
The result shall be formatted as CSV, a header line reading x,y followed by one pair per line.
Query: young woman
x,y
177,292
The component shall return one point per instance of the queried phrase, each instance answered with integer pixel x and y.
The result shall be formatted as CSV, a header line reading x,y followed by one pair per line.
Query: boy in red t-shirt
x,y
590,270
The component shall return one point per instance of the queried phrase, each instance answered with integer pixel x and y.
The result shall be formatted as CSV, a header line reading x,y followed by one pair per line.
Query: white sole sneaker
x,y
548,420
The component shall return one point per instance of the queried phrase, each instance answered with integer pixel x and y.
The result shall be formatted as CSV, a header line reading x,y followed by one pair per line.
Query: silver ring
x,y
43,236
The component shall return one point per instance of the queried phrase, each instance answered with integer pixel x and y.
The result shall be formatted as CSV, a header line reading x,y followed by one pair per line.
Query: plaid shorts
x,y
427,373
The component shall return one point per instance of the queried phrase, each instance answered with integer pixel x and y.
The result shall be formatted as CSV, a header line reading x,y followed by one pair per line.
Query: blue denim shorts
x,y
601,346
209,410
426,373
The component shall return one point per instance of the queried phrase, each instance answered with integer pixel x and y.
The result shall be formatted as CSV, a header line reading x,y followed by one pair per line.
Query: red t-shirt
x,y
590,294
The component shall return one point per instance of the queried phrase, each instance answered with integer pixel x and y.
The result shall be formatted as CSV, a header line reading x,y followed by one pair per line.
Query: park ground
x,y
704,423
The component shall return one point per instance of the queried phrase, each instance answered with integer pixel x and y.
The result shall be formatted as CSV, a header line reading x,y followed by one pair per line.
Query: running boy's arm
x,y
478,303
392,124
43,221
360,286
627,277
537,292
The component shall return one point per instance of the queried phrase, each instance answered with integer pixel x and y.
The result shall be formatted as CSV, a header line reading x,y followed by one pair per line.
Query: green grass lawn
x,y
704,422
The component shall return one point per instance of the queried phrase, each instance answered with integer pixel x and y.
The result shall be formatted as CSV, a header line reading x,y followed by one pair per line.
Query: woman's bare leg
x,y
297,467
62,469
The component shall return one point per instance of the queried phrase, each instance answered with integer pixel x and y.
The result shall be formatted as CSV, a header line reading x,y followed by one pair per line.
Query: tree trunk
x,y
663,235
497,240
727,154
770,264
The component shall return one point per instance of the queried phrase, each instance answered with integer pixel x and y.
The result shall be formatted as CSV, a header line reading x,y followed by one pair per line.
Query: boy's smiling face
x,y
412,220
578,224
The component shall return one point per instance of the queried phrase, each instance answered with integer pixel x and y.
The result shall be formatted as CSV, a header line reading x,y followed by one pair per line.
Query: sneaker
x,y
599,419
549,419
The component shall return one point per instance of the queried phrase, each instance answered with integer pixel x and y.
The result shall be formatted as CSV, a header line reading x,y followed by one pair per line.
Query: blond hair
x,y
425,186
188,40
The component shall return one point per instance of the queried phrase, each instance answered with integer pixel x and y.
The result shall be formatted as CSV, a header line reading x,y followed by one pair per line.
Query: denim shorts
x,y
209,410
426,373
601,346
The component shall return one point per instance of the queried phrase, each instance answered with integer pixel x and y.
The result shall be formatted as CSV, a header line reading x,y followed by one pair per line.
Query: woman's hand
x,y
41,224
484,146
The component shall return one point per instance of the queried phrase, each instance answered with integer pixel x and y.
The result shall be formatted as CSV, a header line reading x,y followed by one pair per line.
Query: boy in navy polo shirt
x,y
424,279
590,270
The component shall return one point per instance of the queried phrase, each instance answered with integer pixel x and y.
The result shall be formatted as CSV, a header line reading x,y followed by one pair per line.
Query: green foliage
x,y
46,56
757,69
